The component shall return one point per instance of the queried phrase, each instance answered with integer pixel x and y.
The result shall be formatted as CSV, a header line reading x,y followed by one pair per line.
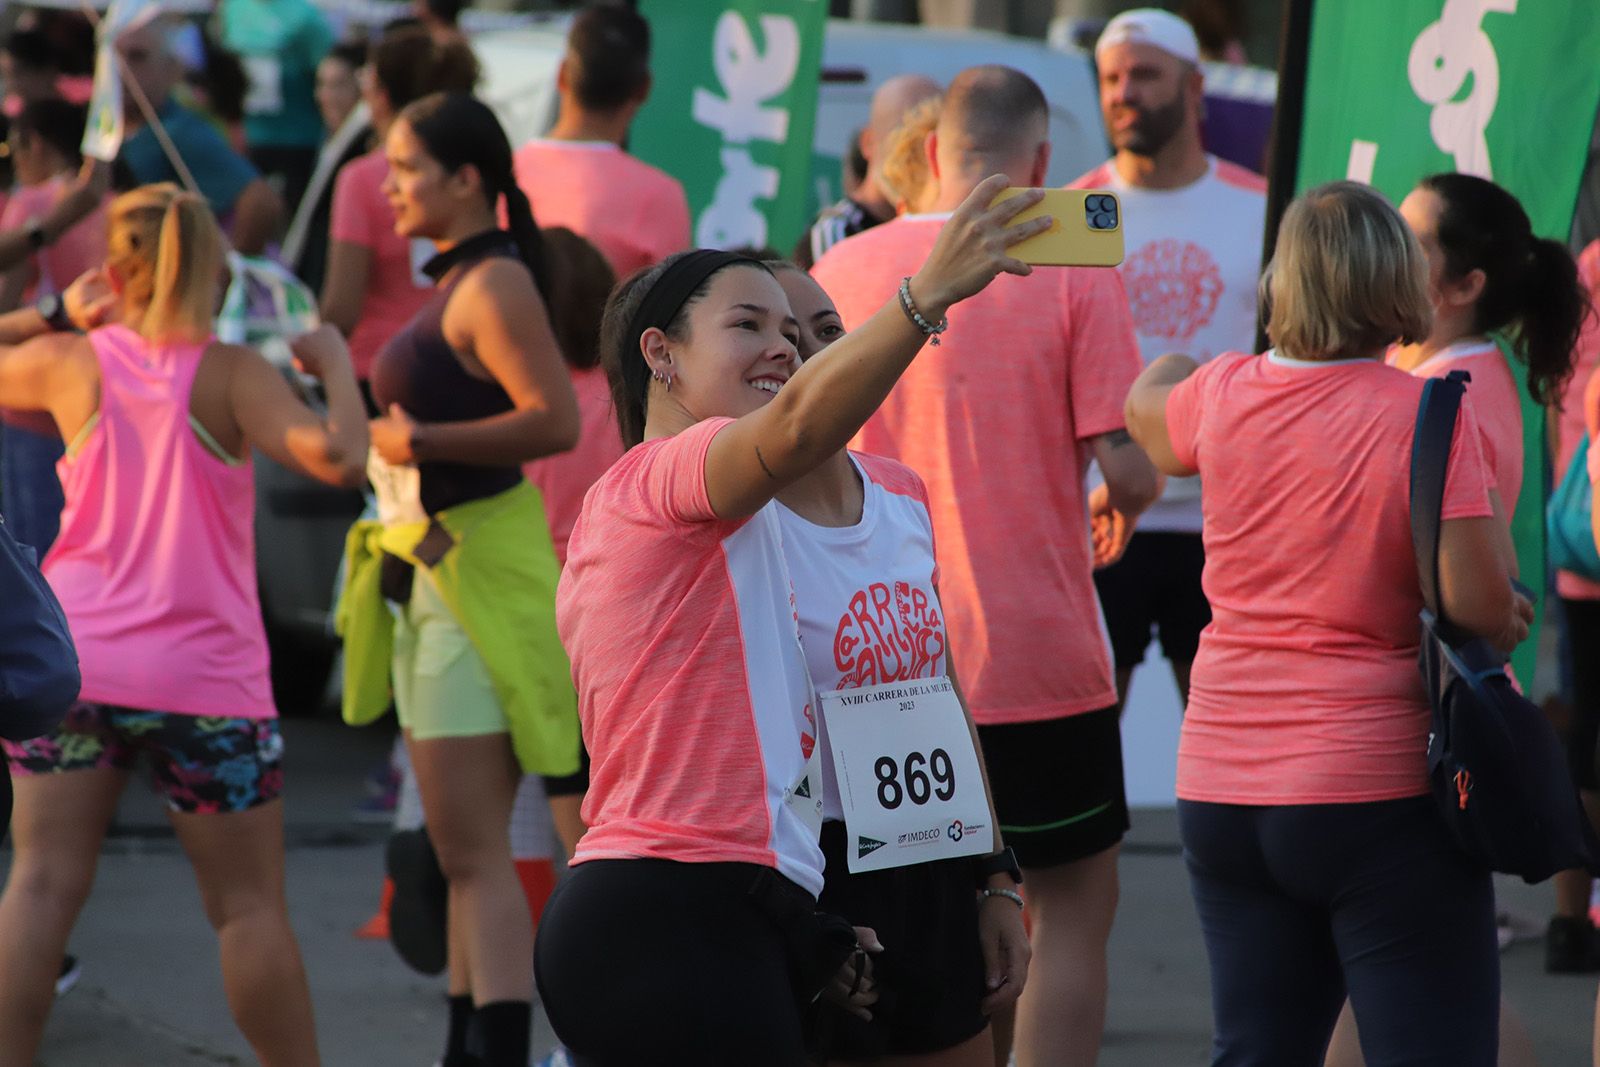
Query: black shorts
x,y
1583,732
650,961
1155,586
1058,786
930,973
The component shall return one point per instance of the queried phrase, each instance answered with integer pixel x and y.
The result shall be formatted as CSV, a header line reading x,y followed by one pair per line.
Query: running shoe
x,y
421,898
70,973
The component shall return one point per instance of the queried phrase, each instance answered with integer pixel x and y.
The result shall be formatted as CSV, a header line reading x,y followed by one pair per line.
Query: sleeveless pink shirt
x,y
155,564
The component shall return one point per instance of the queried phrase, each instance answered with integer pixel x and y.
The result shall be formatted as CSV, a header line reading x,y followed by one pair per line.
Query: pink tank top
x,y
155,564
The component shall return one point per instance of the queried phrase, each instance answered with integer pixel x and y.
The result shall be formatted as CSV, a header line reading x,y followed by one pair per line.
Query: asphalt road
x,y
151,992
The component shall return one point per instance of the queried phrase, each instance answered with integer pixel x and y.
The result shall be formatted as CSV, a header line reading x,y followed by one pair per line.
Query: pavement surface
x,y
151,990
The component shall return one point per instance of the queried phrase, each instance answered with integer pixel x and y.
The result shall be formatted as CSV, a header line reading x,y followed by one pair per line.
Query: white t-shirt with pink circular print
x,y
867,594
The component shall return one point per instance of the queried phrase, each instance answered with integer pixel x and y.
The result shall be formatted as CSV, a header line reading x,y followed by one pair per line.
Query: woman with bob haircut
x,y
1316,859
678,610
155,571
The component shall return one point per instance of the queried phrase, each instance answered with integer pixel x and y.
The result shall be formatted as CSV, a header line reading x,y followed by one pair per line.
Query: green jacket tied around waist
x,y
500,582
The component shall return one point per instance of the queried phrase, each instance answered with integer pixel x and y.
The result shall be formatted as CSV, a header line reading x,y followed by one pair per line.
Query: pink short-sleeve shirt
x,y
634,213
1305,689
565,477
996,420
692,688
396,290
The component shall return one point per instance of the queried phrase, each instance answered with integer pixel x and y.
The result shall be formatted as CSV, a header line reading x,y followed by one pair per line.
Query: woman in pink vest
x,y
155,569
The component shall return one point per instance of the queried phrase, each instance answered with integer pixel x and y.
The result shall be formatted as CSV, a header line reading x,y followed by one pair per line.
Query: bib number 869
x,y
891,794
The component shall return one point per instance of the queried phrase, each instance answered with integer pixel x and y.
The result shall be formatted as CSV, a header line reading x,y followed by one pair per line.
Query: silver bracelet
x,y
930,330
1010,894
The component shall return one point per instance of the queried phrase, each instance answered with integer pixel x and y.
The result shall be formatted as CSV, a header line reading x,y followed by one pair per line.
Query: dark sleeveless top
x,y
418,370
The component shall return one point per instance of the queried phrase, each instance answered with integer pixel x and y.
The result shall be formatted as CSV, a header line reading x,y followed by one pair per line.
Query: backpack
x,y
38,662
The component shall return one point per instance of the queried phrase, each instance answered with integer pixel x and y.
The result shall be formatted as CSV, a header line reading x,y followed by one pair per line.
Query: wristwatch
x,y
1002,862
53,310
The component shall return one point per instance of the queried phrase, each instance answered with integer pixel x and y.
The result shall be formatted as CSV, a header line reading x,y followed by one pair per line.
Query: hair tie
x,y
668,293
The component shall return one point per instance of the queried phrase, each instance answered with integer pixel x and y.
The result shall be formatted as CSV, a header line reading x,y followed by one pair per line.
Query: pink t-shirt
x,y
1496,402
81,248
565,477
155,565
691,685
867,594
996,420
1305,689
53,268
634,213
1570,424
396,287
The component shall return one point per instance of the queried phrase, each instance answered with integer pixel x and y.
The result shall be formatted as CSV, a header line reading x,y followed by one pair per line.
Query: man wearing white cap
x,y
1192,227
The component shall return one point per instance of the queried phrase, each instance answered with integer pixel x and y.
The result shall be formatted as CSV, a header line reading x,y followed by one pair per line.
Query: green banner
x,y
734,118
1398,89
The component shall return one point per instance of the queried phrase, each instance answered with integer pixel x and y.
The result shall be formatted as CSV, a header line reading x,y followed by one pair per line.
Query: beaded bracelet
x,y
909,306
1010,894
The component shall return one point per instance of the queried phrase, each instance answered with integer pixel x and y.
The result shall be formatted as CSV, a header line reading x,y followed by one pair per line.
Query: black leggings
x,y
648,961
1302,904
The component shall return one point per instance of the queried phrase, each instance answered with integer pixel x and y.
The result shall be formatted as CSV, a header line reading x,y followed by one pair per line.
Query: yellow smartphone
x,y
1086,232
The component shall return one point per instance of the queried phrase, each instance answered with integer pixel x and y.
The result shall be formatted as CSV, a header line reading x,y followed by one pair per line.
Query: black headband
x,y
669,292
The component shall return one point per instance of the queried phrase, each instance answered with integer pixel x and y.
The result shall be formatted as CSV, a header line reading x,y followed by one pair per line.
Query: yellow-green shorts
x,y
441,685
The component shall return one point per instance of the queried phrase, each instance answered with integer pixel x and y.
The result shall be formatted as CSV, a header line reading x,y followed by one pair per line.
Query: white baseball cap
x,y
1149,25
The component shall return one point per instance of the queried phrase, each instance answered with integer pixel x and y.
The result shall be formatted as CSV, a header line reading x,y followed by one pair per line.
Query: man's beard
x,y
1152,130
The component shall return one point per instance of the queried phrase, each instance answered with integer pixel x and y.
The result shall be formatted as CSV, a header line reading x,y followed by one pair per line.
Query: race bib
x,y
266,85
909,777
398,490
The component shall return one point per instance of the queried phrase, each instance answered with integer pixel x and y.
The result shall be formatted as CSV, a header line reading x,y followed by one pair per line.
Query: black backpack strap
x,y
1430,458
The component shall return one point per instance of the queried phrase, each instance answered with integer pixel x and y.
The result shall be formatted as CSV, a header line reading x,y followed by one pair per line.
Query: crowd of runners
x,y
806,592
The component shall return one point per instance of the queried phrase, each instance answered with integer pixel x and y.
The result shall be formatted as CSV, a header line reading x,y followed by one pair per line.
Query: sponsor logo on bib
x,y
866,846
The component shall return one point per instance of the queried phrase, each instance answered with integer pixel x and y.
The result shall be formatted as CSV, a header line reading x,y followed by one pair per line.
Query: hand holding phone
x,y
1087,231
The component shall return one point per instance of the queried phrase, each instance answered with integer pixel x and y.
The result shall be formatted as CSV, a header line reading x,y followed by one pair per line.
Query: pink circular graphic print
x,y
1173,288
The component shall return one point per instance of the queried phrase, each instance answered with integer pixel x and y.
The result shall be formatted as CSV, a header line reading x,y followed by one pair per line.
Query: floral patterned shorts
x,y
204,764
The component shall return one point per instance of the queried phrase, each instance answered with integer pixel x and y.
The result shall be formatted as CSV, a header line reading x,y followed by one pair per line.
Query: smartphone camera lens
x,y
1101,212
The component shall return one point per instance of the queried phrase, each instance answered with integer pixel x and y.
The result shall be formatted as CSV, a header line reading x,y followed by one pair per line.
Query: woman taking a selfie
x,y
676,608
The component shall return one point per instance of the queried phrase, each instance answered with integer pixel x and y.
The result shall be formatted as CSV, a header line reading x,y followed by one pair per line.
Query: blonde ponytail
x,y
167,252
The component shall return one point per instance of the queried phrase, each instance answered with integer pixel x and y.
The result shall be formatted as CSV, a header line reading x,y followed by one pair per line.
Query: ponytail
x,y
164,245
530,242
1531,288
1553,305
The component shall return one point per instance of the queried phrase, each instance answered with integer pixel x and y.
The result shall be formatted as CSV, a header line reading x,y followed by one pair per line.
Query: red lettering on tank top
x,y
888,635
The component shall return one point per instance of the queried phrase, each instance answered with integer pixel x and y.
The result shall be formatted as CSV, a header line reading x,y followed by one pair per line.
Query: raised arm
x,y
257,217
85,193
833,394
496,317
331,448
1146,410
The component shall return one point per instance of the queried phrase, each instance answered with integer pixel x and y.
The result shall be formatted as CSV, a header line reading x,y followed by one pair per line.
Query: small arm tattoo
x,y
762,460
